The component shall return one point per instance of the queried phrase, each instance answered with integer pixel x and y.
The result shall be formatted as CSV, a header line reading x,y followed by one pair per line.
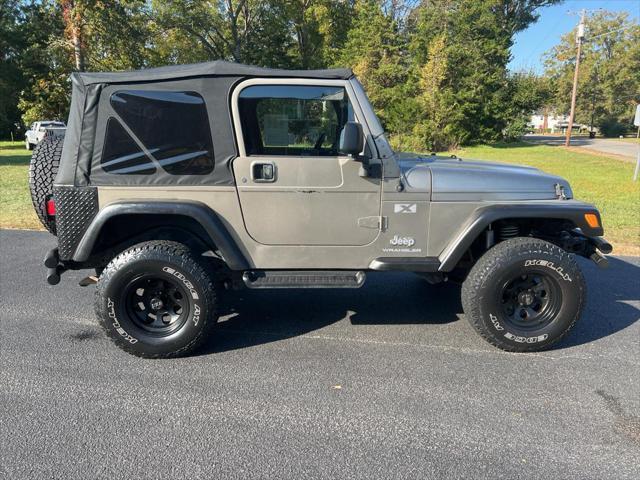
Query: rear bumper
x,y
56,266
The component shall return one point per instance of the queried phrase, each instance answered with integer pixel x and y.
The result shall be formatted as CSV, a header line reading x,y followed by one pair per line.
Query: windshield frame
x,y
372,119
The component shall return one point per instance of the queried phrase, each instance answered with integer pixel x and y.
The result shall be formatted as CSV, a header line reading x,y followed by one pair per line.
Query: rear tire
x,y
524,294
155,300
43,169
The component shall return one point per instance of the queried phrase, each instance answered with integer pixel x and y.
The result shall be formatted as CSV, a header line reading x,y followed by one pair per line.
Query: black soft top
x,y
216,68
91,91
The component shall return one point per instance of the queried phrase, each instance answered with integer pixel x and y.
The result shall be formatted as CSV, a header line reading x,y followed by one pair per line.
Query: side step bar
x,y
303,279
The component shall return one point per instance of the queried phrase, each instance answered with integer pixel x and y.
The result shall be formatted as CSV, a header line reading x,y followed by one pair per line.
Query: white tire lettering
x,y
196,314
519,339
495,322
111,312
548,264
183,279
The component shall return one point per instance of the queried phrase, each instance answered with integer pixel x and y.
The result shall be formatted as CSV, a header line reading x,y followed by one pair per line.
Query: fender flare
x,y
481,218
201,213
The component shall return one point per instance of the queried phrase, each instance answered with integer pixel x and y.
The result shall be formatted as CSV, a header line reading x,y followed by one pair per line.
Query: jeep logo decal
x,y
402,241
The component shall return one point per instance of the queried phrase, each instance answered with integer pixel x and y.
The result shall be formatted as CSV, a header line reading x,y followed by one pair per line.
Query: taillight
x,y
51,207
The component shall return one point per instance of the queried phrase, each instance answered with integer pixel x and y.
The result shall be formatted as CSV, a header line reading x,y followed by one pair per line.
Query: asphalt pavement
x,y
388,381
626,150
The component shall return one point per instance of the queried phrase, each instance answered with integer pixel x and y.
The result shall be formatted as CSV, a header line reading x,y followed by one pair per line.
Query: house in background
x,y
550,122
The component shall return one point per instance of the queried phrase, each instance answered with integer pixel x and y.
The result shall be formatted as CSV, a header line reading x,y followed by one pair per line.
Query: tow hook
x,y
599,244
599,259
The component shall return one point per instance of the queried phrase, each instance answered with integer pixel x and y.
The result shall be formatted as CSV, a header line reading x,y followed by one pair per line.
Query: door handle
x,y
263,172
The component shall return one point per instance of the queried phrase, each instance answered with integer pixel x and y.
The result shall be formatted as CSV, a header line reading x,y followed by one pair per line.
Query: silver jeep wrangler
x,y
177,183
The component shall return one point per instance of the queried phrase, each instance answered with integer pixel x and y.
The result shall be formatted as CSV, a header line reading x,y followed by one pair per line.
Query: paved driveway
x,y
624,149
383,382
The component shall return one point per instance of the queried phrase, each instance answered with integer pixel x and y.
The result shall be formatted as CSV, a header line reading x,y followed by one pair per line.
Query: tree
x,y
246,31
61,36
526,93
320,29
44,92
474,39
435,70
11,44
375,49
73,16
609,81
439,125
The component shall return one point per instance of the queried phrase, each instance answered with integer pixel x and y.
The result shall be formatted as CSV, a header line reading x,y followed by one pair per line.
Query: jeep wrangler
x,y
177,183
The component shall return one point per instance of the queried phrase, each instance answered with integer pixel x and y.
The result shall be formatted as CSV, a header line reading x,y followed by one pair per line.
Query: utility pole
x,y
574,93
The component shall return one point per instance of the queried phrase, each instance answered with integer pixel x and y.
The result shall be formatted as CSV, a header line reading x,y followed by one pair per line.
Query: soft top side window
x,y
173,127
294,120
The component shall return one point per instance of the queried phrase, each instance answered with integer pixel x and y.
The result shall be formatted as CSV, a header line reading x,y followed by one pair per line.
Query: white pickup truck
x,y
42,129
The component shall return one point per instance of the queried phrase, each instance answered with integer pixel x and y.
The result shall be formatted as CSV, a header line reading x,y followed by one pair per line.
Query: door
x,y
294,186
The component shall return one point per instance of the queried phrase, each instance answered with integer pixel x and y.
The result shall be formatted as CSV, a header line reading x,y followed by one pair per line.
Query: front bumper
x,y
589,247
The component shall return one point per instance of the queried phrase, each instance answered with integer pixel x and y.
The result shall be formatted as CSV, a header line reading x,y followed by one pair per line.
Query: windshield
x,y
52,124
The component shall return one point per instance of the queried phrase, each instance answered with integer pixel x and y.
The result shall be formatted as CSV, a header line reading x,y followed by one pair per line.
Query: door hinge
x,y
373,222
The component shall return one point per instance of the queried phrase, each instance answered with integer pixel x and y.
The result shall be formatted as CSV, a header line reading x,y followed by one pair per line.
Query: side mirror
x,y
351,138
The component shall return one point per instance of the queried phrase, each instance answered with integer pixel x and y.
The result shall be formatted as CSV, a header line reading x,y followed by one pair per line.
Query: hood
x,y
455,179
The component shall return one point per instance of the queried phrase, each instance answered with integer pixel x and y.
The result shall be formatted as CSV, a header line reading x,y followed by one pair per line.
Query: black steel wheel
x,y
531,300
157,305
155,300
524,294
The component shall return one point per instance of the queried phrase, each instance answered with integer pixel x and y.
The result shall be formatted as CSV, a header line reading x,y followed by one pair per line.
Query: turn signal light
x,y
592,220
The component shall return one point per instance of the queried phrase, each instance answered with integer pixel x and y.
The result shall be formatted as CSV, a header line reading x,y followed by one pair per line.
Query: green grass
x,y
598,179
16,210
601,180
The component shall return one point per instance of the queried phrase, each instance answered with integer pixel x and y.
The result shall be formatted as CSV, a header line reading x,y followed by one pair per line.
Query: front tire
x,y
155,300
524,294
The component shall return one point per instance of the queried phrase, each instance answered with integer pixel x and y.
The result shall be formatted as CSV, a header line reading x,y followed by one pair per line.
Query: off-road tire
x,y
169,262
42,171
486,294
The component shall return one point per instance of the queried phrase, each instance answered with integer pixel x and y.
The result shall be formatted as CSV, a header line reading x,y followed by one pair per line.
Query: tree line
x,y
435,70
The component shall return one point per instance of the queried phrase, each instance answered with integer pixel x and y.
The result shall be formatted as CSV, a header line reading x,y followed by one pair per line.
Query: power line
x,y
540,43
610,32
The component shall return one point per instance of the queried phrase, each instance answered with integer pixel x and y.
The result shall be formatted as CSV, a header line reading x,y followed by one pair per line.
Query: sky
x,y
531,44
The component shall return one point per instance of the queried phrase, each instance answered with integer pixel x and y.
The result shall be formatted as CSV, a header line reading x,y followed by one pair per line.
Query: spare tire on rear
x,y
42,171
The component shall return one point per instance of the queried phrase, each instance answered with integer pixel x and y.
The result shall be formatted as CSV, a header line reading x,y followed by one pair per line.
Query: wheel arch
x,y
195,221
570,212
